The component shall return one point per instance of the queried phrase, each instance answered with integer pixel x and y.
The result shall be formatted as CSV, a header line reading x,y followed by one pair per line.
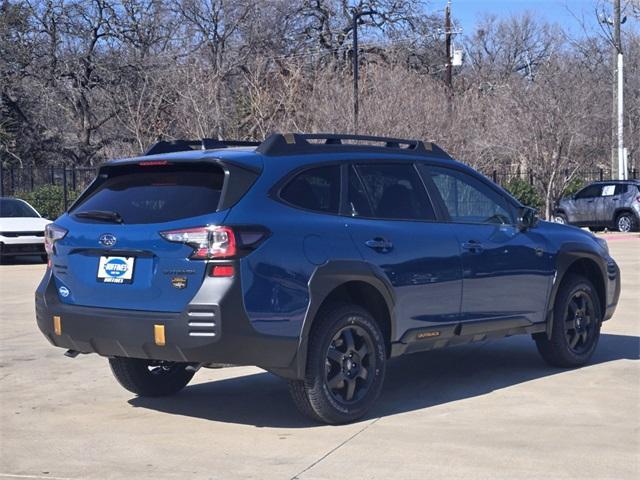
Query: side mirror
x,y
527,218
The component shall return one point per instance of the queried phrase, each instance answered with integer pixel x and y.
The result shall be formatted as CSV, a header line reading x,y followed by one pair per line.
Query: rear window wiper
x,y
104,215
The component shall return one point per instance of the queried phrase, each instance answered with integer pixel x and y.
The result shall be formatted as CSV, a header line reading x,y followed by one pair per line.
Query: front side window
x,y
315,189
468,199
589,192
394,191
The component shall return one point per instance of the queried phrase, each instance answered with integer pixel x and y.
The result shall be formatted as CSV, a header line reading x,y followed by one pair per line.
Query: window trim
x,y
480,178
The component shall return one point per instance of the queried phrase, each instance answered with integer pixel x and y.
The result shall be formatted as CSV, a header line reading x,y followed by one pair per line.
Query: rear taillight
x,y
52,233
207,242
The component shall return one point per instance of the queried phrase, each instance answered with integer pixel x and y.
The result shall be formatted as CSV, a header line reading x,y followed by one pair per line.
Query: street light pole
x,y
356,16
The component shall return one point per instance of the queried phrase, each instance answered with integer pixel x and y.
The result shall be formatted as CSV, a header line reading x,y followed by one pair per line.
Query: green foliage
x,y
574,185
525,192
48,200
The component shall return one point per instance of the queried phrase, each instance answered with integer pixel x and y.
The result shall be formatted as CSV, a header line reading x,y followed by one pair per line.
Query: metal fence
x,y
72,180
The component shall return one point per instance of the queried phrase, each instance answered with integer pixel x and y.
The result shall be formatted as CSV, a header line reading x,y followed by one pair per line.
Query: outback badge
x,y
179,282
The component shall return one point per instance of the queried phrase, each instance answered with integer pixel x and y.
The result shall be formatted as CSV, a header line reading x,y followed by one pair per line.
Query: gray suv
x,y
613,204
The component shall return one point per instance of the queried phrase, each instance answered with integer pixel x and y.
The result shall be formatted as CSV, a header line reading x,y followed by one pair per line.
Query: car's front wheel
x,y
577,318
149,378
345,366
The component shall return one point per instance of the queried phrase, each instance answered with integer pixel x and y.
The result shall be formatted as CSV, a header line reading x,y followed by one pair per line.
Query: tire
x,y
346,363
577,318
560,218
44,258
626,222
148,378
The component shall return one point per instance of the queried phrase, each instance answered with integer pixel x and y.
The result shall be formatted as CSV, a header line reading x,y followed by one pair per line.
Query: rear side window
x,y
395,191
621,188
155,194
315,189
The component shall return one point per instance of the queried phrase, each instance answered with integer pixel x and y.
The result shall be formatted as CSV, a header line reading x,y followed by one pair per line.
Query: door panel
x,y
586,204
422,262
393,228
506,272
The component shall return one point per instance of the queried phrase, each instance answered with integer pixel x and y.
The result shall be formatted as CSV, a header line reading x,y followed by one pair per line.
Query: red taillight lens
x,y
207,242
223,271
52,233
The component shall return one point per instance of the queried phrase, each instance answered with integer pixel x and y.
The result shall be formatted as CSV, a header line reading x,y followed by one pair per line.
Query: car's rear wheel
x,y
560,218
345,366
149,378
577,318
626,222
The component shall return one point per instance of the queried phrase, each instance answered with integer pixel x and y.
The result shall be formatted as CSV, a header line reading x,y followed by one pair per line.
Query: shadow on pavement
x,y
413,382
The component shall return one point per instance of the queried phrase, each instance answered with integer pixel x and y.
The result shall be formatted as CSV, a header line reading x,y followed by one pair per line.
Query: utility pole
x,y
356,108
447,44
618,157
622,168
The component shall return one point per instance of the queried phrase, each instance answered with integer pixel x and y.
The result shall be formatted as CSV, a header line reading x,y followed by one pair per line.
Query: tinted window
x,y
358,201
395,191
621,188
315,189
589,192
10,207
156,194
468,199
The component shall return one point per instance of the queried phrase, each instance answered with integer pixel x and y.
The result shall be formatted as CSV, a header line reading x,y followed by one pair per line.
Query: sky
x,y
563,12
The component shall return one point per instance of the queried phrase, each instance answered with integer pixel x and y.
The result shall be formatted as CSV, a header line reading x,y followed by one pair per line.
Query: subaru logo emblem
x,y
107,239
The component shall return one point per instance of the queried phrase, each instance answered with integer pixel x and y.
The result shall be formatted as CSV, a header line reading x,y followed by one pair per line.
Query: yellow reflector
x,y
57,325
158,334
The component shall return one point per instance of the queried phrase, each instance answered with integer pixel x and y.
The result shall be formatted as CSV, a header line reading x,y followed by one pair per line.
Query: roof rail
x,y
298,143
164,146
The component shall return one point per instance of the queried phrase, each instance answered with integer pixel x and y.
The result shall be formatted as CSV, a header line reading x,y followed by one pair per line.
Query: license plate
x,y
116,269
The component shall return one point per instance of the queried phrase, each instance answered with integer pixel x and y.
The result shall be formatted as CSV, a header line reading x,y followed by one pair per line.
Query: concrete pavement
x,y
490,410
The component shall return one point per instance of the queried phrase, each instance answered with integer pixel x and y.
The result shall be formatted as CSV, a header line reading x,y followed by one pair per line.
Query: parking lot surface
x,y
489,410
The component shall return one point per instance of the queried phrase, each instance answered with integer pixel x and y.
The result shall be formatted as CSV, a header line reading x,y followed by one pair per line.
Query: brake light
x,y
52,233
207,242
153,163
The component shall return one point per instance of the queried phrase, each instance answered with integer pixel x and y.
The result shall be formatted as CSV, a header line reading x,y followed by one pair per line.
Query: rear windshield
x,y
155,194
12,208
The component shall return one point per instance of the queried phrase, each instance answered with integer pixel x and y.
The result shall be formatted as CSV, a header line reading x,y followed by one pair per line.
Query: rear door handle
x,y
379,244
472,246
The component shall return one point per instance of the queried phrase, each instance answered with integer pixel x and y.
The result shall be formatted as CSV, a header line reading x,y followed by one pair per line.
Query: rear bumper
x,y
205,332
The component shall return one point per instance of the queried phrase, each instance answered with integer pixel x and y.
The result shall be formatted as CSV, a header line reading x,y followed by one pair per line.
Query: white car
x,y
21,229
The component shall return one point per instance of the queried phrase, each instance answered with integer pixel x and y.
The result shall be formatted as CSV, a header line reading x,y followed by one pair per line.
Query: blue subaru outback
x,y
316,257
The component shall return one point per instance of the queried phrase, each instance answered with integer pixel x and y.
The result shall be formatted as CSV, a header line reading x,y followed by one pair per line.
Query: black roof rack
x,y
301,143
164,146
298,143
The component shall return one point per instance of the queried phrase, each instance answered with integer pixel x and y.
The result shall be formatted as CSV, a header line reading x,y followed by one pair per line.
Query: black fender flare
x,y
569,254
324,280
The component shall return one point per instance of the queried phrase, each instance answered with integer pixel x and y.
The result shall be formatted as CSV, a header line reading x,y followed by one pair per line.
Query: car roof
x,y
298,149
